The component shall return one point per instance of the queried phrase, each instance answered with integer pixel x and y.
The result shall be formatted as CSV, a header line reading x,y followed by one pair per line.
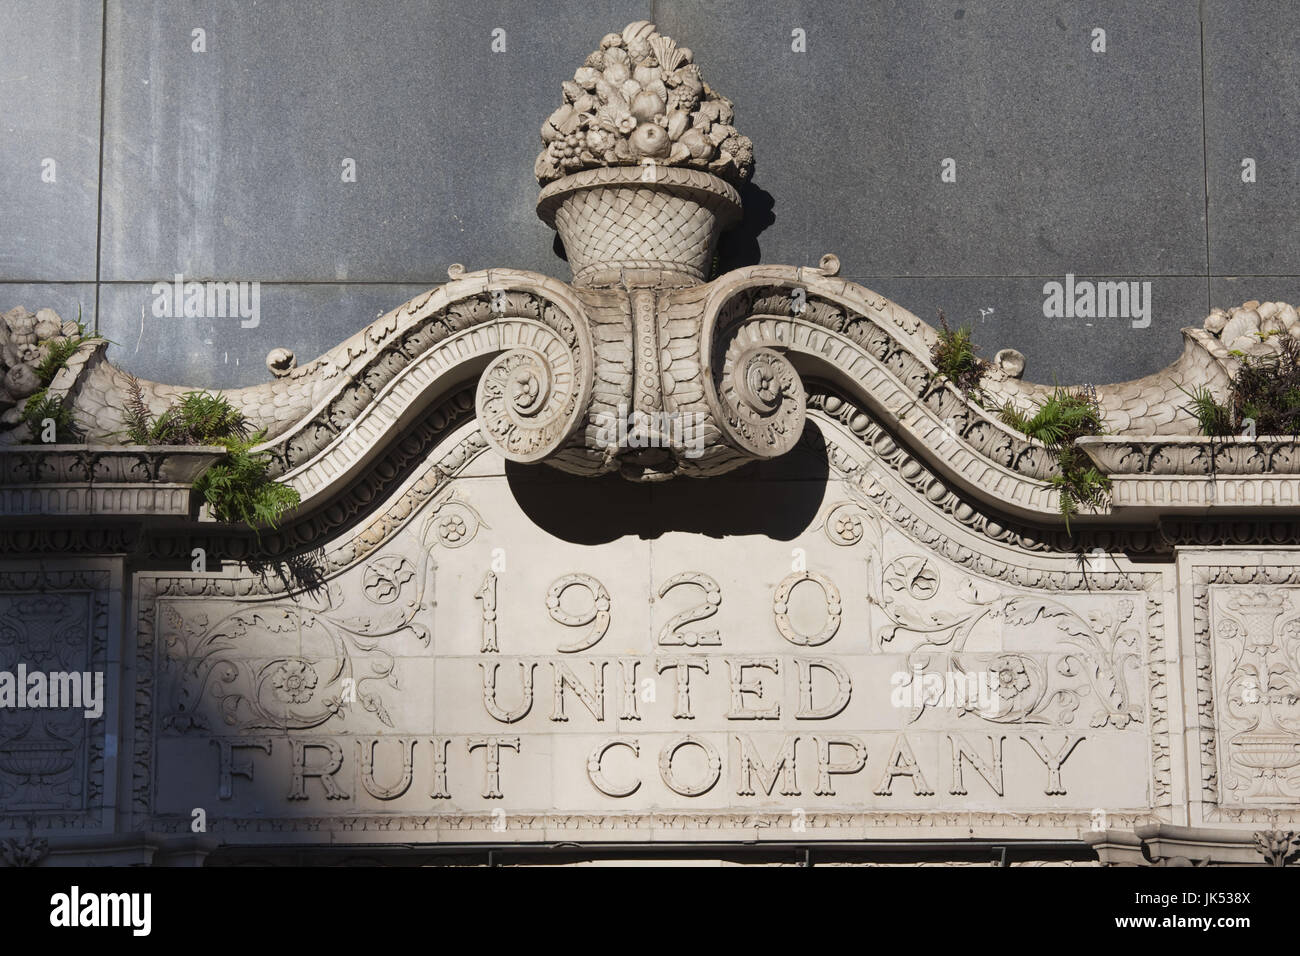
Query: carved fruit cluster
x,y
640,98
26,339
1254,327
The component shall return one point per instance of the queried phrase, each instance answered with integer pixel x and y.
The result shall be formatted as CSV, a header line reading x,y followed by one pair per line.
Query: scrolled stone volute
x,y
528,403
762,403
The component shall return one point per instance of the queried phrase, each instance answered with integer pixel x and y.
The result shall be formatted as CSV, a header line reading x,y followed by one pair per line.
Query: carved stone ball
x,y
48,324
1216,320
1271,322
1011,362
21,381
647,106
281,362
698,146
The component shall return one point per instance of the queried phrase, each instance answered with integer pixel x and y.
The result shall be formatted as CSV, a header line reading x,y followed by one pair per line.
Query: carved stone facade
x,y
656,557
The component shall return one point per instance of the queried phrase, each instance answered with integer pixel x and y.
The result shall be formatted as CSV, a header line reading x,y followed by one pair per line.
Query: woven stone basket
x,y
636,218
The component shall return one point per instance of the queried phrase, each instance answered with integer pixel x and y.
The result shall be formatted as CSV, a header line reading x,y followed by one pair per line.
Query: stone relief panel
x,y
474,669
1245,611
57,695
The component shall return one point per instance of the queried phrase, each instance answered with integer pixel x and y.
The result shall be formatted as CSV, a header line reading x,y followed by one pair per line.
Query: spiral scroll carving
x,y
527,402
763,400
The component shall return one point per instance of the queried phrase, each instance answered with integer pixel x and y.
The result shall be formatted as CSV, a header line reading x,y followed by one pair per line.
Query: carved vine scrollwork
x,y
339,658
537,314
809,322
1092,661
452,523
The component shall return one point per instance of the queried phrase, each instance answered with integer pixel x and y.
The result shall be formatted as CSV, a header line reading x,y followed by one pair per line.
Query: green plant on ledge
x,y
238,488
59,349
955,359
41,407
1212,418
1263,393
1057,421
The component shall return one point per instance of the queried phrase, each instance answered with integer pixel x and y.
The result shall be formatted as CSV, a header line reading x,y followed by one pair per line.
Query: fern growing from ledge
x,y
238,488
59,349
1263,393
241,488
1057,422
954,357
42,407
1212,418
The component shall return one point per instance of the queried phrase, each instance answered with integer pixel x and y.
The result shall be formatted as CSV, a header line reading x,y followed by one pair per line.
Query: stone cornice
x,y
1173,475
369,389
102,480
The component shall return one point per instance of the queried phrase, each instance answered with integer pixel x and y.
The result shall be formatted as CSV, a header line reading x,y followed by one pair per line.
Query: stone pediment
x,y
646,367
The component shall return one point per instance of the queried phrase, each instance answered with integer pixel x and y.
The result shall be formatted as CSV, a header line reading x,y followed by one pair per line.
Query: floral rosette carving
x,y
452,524
640,98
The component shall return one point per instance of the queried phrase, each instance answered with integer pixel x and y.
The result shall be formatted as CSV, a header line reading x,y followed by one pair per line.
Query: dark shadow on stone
x,y
777,499
557,246
739,246
297,573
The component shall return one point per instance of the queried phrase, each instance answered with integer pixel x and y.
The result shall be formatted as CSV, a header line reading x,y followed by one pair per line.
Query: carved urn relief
x,y
1261,695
